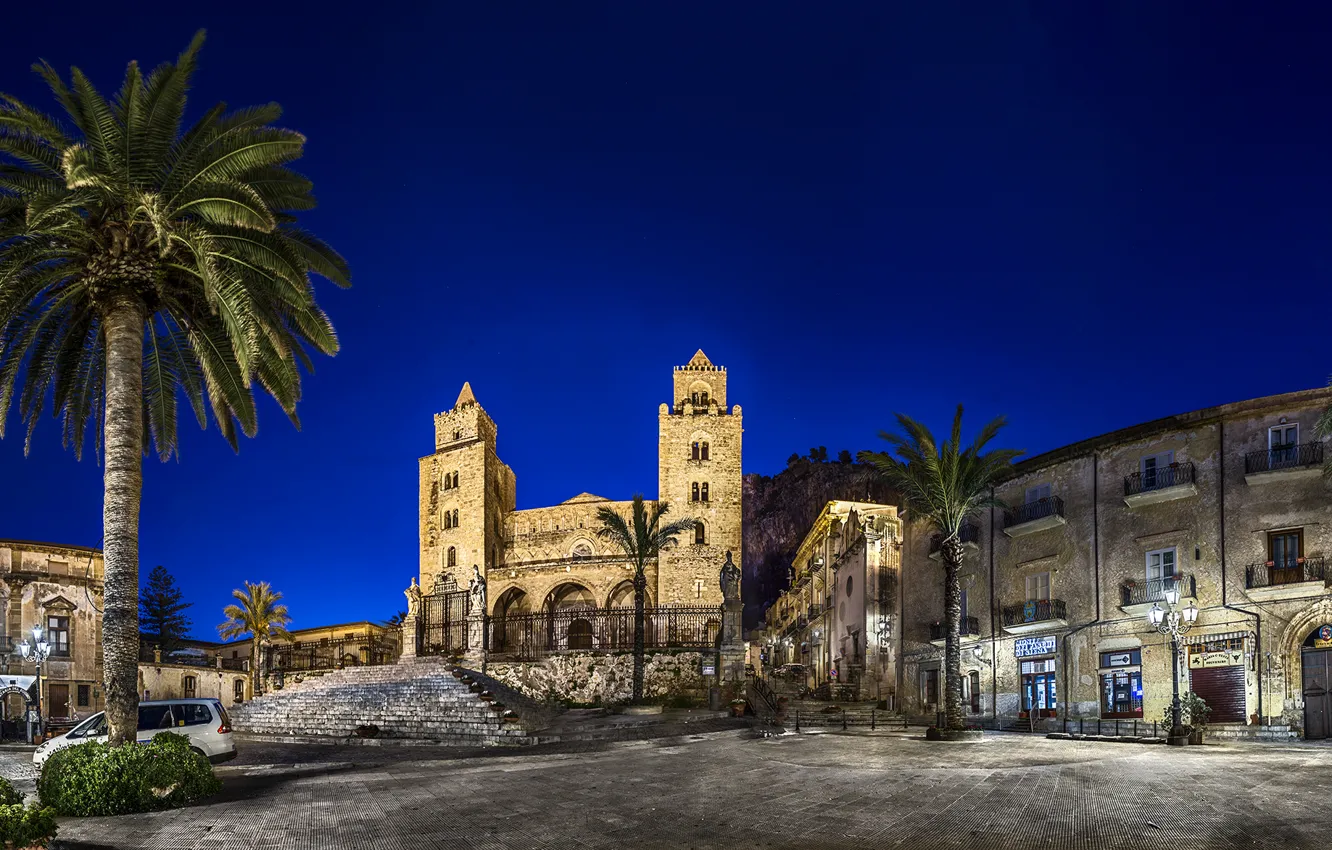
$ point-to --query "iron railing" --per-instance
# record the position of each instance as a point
(1159, 478)
(603, 630)
(1286, 571)
(970, 626)
(1284, 457)
(1039, 509)
(1035, 611)
(441, 623)
(1153, 590)
(969, 533)
(366, 651)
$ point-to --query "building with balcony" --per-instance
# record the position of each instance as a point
(1228, 505)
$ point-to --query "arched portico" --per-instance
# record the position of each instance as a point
(1307, 654)
(622, 596)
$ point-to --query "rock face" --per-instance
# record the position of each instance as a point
(604, 679)
(778, 512)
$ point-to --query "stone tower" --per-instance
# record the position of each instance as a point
(699, 475)
(465, 492)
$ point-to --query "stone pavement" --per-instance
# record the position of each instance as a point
(727, 789)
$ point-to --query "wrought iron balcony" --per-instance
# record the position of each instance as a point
(970, 628)
(1034, 516)
(969, 535)
(1285, 572)
(1161, 484)
(1153, 590)
(1282, 462)
(1034, 615)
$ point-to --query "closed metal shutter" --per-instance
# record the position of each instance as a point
(1223, 688)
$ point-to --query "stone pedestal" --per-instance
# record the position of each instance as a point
(731, 663)
(475, 656)
(408, 654)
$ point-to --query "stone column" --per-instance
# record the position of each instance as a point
(732, 646)
(474, 657)
(408, 653)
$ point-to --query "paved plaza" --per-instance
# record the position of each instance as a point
(730, 790)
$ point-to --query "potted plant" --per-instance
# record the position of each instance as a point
(1198, 711)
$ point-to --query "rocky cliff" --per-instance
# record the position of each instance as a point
(779, 510)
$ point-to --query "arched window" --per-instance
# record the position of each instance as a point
(693, 492)
(238, 690)
(455, 510)
(448, 520)
(703, 398)
(705, 450)
(693, 452)
(453, 557)
(700, 535)
(448, 481)
(455, 478)
(693, 398)
(705, 491)
(191, 687)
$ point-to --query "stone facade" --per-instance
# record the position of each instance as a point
(174, 680)
(59, 588)
(1228, 504)
(840, 613)
(551, 558)
(606, 678)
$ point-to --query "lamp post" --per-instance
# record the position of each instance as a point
(38, 651)
(1173, 622)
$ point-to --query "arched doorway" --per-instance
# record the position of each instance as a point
(570, 609)
(509, 629)
(1316, 667)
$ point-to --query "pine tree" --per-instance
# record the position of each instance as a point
(162, 615)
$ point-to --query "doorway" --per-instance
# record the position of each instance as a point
(1039, 694)
(1316, 665)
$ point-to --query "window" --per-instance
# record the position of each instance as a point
(703, 398)
(57, 634)
(972, 684)
(453, 557)
(848, 585)
(455, 517)
(192, 714)
(238, 690)
(1285, 553)
(929, 687)
(693, 492)
(1151, 464)
(694, 452)
(700, 535)
(705, 491)
(1281, 436)
(84, 696)
(1038, 587)
(191, 687)
(1121, 684)
(448, 520)
(455, 478)
(1037, 493)
(705, 450)
(1160, 571)
(154, 717)
(457, 434)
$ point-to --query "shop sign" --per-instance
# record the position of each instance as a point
(1124, 658)
(1323, 639)
(1225, 658)
(1034, 646)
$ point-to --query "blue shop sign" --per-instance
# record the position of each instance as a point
(1034, 646)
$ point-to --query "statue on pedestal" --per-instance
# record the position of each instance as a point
(477, 587)
(413, 594)
(730, 579)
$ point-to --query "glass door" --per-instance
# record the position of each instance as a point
(1282, 442)
(1285, 549)
(1160, 573)
(1038, 689)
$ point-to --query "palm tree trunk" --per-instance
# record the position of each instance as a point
(122, 484)
(951, 555)
(640, 587)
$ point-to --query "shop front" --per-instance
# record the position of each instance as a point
(1037, 664)
(1121, 684)
(1218, 665)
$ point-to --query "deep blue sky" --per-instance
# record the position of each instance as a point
(1082, 218)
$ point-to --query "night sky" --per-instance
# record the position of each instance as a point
(1081, 218)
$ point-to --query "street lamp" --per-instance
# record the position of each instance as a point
(1175, 623)
(38, 650)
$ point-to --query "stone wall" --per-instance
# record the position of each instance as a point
(167, 681)
(605, 679)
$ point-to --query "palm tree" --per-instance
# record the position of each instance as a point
(944, 485)
(260, 616)
(641, 537)
(137, 260)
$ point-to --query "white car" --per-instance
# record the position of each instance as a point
(203, 721)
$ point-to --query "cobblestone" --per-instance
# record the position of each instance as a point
(727, 789)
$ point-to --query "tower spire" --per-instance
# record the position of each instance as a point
(465, 397)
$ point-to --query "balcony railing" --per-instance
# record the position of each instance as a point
(970, 627)
(1284, 457)
(1159, 478)
(604, 630)
(969, 533)
(1039, 509)
(1288, 571)
(815, 610)
(1153, 590)
(1034, 612)
(332, 655)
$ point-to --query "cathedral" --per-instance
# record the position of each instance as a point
(550, 559)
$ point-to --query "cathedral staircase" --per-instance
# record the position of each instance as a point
(427, 700)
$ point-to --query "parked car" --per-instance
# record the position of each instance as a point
(203, 721)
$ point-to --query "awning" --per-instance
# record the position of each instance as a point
(1207, 638)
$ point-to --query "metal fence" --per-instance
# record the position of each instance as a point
(1159, 478)
(441, 625)
(969, 626)
(1034, 611)
(603, 630)
(1284, 457)
(1153, 590)
(1287, 571)
(1039, 509)
(365, 651)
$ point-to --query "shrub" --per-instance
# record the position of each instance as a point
(9, 796)
(98, 779)
(26, 826)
